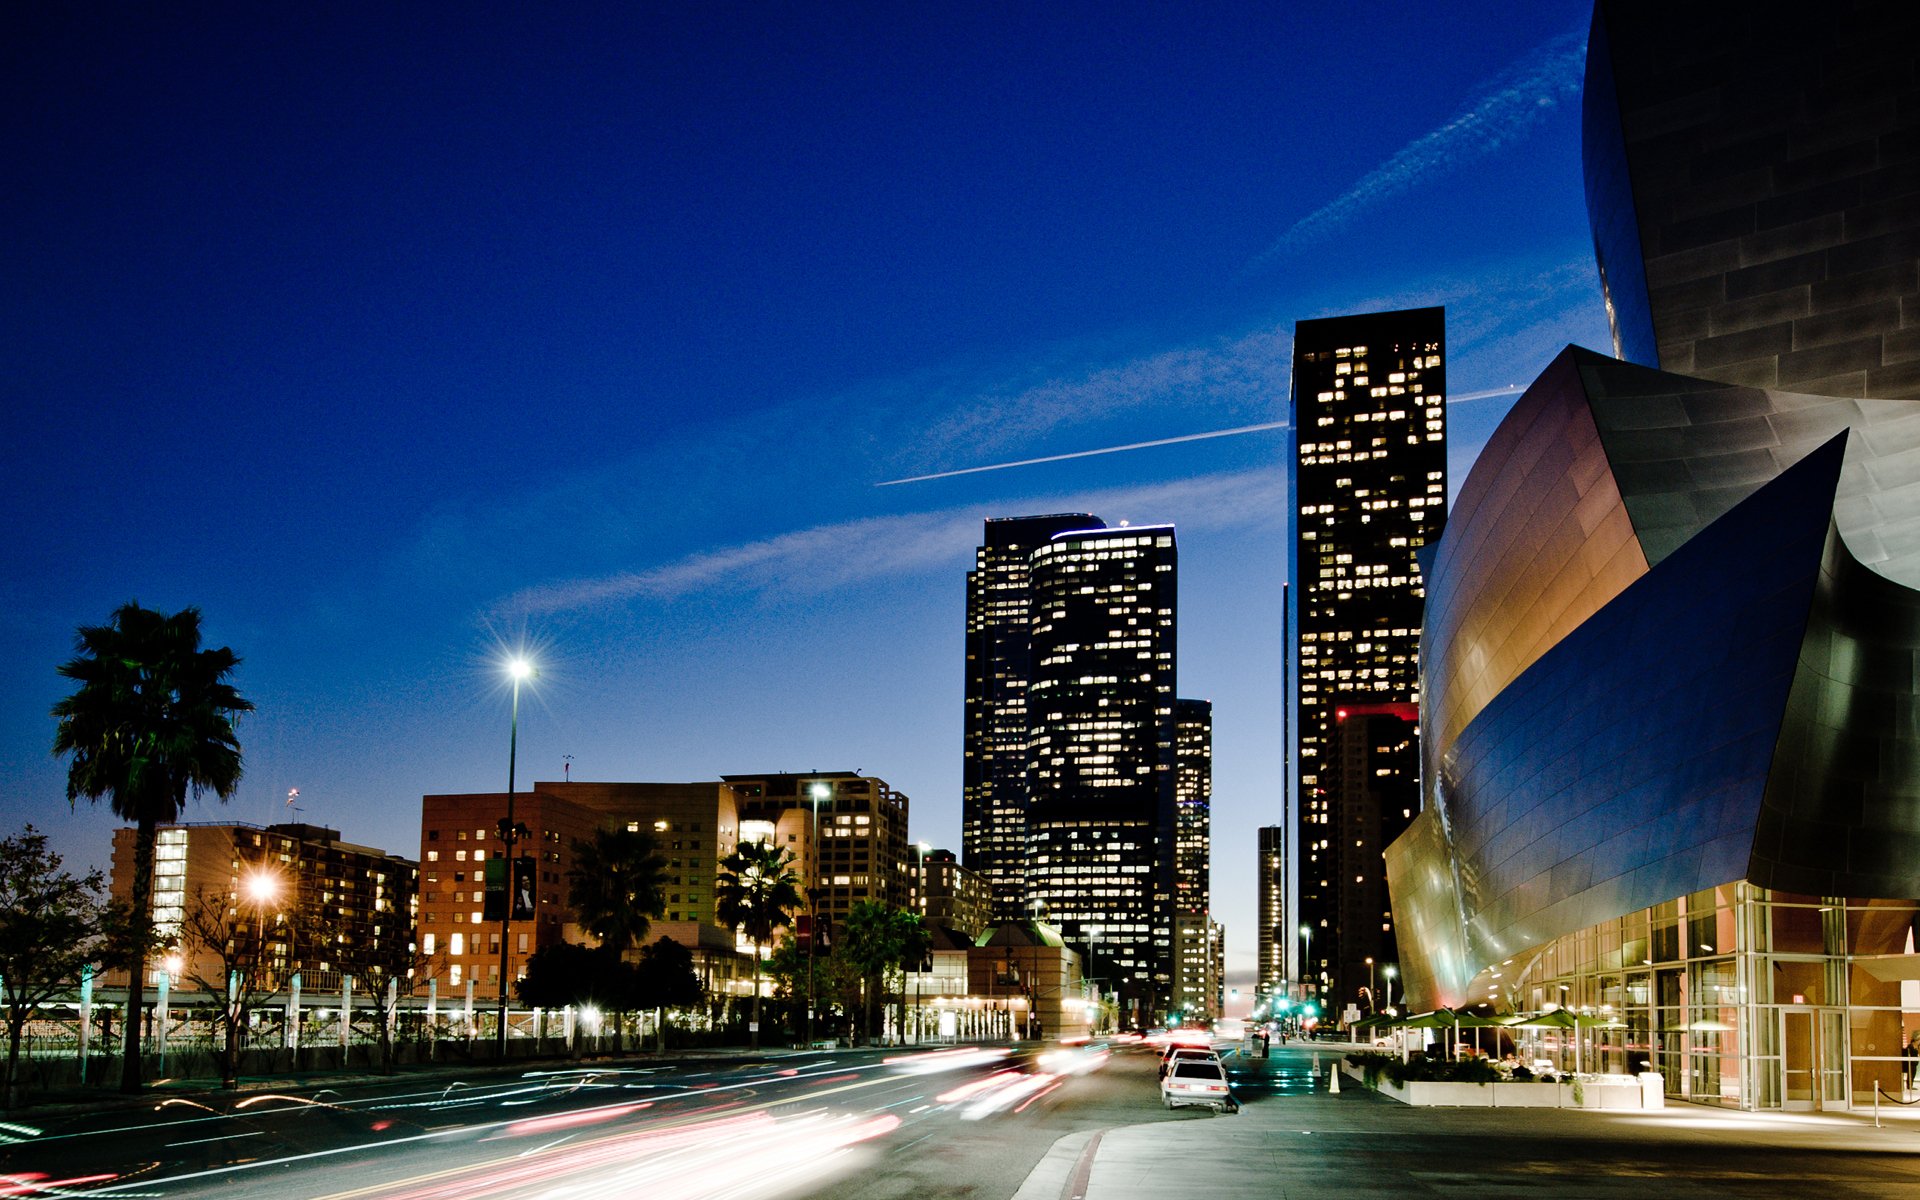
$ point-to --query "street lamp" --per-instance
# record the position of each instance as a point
(262, 887)
(1306, 952)
(816, 792)
(519, 670)
(1373, 985)
(1391, 972)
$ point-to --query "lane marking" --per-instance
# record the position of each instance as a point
(226, 1138)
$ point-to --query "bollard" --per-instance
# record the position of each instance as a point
(1333, 1078)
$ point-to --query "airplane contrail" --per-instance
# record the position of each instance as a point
(1185, 437)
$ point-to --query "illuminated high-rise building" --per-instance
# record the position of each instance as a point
(1101, 757)
(1369, 491)
(1192, 856)
(1273, 931)
(994, 769)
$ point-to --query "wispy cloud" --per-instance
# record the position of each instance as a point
(1509, 105)
(1243, 374)
(827, 557)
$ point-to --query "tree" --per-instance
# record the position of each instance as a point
(52, 926)
(150, 723)
(567, 973)
(223, 952)
(385, 971)
(756, 893)
(879, 941)
(663, 979)
(617, 886)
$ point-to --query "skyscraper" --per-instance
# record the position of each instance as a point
(1192, 850)
(994, 768)
(1370, 489)
(1274, 931)
(1375, 770)
(1101, 758)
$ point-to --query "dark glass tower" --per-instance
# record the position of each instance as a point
(1101, 759)
(1274, 933)
(1375, 770)
(1192, 856)
(1369, 491)
(994, 771)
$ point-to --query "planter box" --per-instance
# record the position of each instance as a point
(1596, 1091)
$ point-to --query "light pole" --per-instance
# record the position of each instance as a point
(1391, 972)
(519, 670)
(816, 792)
(1306, 956)
(262, 886)
(1373, 985)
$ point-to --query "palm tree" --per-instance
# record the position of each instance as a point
(756, 893)
(616, 886)
(151, 721)
(881, 940)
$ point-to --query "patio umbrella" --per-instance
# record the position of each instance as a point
(1563, 1018)
(1476, 1022)
(1559, 1018)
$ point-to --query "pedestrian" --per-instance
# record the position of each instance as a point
(1909, 1059)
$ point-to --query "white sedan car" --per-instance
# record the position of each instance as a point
(1197, 1081)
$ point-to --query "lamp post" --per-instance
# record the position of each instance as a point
(519, 670)
(816, 792)
(1373, 985)
(1391, 972)
(1306, 956)
(262, 886)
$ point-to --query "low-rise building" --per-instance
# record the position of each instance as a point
(276, 899)
(952, 895)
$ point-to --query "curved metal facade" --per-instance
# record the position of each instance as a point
(1655, 663)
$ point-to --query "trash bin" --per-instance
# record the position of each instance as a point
(1653, 1089)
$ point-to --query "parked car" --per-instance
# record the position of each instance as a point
(1199, 1081)
(1181, 1053)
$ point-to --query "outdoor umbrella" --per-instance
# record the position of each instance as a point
(1565, 1018)
(1475, 1022)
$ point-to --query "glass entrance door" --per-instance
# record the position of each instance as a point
(1813, 1059)
(1799, 1061)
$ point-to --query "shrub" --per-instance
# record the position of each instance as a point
(1424, 1069)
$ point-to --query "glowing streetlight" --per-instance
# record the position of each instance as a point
(263, 887)
(519, 669)
(1391, 971)
(816, 792)
(1306, 951)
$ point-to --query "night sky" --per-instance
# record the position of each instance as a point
(394, 337)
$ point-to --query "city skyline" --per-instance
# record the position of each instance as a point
(537, 336)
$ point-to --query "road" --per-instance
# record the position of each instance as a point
(867, 1125)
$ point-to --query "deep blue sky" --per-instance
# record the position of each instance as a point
(391, 337)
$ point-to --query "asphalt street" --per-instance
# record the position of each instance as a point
(960, 1122)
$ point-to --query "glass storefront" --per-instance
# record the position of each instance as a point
(1739, 996)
